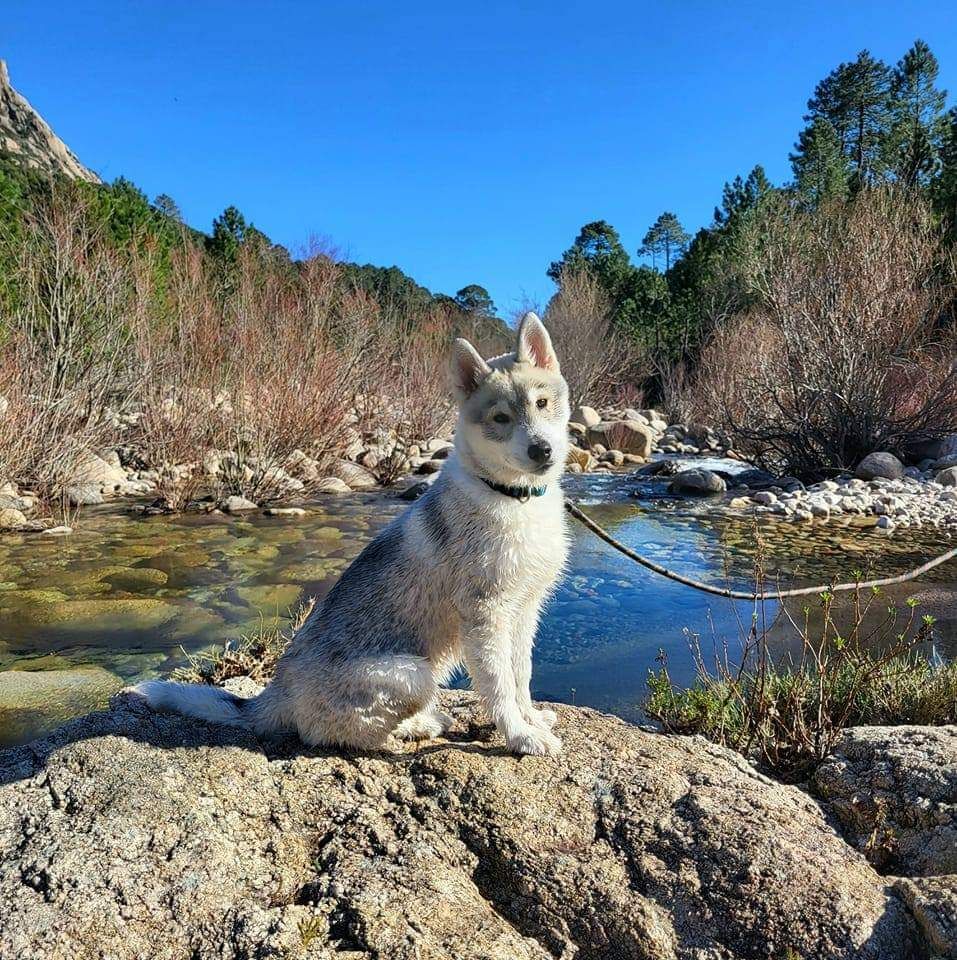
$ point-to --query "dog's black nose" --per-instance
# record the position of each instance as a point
(540, 452)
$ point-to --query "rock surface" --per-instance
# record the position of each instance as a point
(933, 903)
(628, 436)
(882, 465)
(894, 790)
(698, 481)
(26, 135)
(128, 834)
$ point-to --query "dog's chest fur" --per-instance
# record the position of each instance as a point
(491, 547)
(526, 548)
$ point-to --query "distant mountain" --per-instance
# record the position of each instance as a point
(28, 137)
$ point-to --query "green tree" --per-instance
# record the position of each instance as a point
(475, 301)
(820, 169)
(706, 285)
(127, 212)
(229, 232)
(666, 238)
(599, 249)
(168, 207)
(645, 307)
(740, 197)
(919, 122)
(945, 186)
(855, 98)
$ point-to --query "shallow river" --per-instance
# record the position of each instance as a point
(123, 599)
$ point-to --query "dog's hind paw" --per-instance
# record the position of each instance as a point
(424, 726)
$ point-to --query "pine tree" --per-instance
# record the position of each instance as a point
(855, 98)
(820, 169)
(229, 231)
(168, 207)
(741, 195)
(945, 186)
(599, 248)
(475, 301)
(665, 238)
(919, 123)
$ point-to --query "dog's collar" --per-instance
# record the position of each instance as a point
(522, 494)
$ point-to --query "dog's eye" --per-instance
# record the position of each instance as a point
(541, 403)
(501, 418)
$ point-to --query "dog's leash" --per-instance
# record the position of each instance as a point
(603, 534)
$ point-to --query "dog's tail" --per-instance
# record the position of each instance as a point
(192, 699)
(213, 704)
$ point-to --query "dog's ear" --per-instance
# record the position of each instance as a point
(468, 368)
(535, 345)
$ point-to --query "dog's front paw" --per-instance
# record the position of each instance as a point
(535, 742)
(543, 718)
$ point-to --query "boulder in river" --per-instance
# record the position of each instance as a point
(698, 481)
(881, 465)
(353, 475)
(629, 436)
(11, 519)
(130, 834)
(587, 416)
(947, 477)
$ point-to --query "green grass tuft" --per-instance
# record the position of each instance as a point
(788, 715)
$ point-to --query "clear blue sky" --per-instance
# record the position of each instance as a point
(466, 143)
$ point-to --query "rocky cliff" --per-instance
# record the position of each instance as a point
(28, 137)
(127, 834)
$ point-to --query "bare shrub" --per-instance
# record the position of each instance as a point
(406, 397)
(599, 361)
(844, 353)
(63, 359)
(179, 354)
(247, 378)
(212, 372)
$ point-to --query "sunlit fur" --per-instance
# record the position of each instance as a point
(459, 578)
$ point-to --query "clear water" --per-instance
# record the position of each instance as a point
(125, 599)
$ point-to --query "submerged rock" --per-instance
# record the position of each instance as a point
(129, 834)
(47, 698)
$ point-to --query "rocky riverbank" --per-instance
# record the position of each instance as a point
(881, 491)
(609, 440)
(232, 482)
(127, 834)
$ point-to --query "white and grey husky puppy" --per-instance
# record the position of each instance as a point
(459, 578)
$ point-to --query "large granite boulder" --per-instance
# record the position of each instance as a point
(880, 465)
(129, 834)
(894, 791)
(628, 436)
